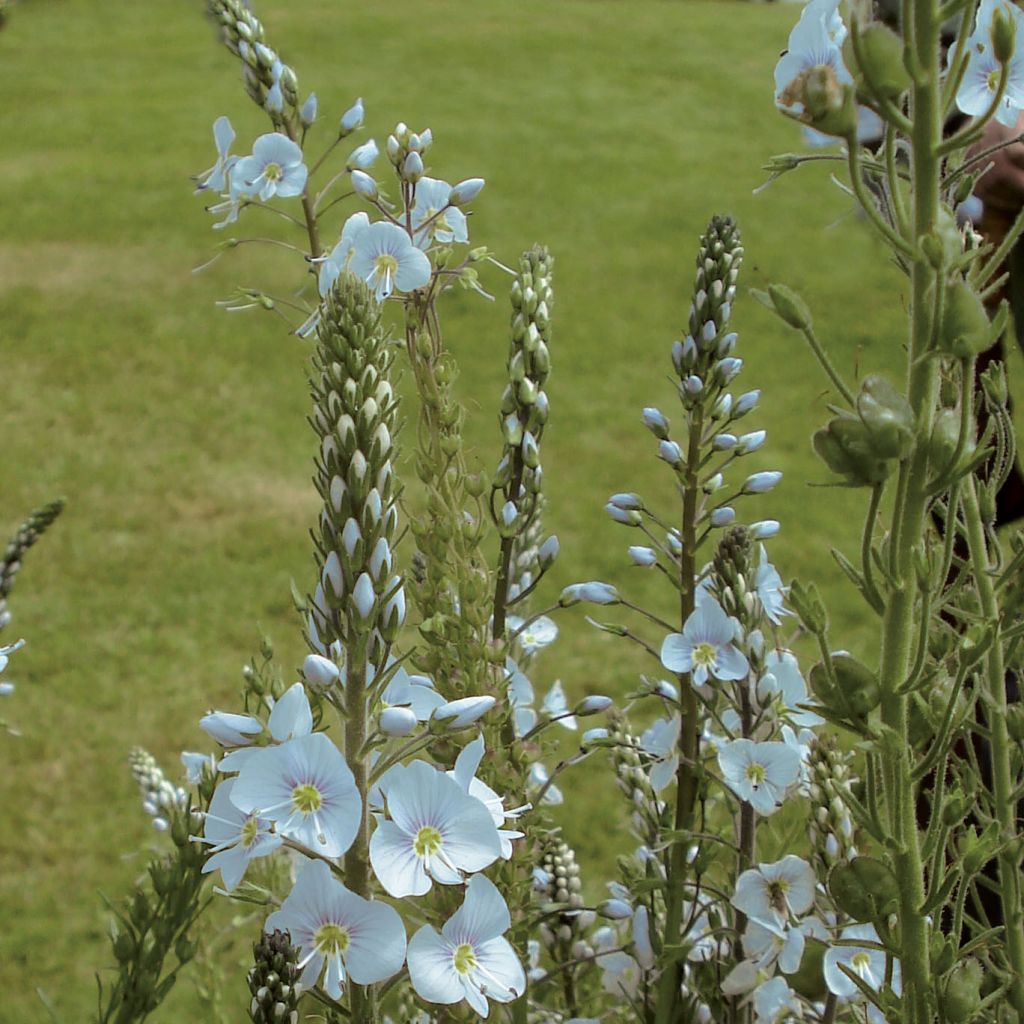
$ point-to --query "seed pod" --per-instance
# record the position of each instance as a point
(964, 331)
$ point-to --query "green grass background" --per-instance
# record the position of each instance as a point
(609, 130)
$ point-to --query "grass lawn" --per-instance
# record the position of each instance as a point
(609, 130)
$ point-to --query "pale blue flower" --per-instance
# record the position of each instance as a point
(981, 77)
(770, 590)
(782, 677)
(868, 964)
(436, 832)
(661, 742)
(521, 697)
(235, 837)
(414, 692)
(705, 646)
(306, 788)
(197, 765)
(355, 938)
(362, 157)
(217, 177)
(556, 707)
(385, 258)
(776, 894)
(776, 1003)
(290, 718)
(469, 958)
(432, 203)
(274, 169)
(540, 633)
(811, 44)
(759, 773)
(464, 774)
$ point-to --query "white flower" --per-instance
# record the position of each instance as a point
(274, 169)
(536, 636)
(782, 676)
(306, 788)
(705, 646)
(217, 177)
(556, 707)
(338, 258)
(981, 76)
(447, 223)
(230, 730)
(361, 939)
(414, 692)
(464, 773)
(235, 838)
(290, 718)
(868, 964)
(813, 43)
(521, 697)
(385, 258)
(469, 959)
(661, 741)
(759, 773)
(776, 1003)
(765, 947)
(770, 590)
(771, 894)
(436, 832)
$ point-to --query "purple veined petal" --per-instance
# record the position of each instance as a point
(430, 968)
(376, 948)
(395, 863)
(483, 915)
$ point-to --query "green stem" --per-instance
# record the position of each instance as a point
(689, 736)
(357, 860)
(999, 747)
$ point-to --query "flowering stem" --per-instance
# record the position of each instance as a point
(505, 558)
(908, 523)
(999, 745)
(689, 737)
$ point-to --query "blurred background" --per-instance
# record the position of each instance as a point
(611, 130)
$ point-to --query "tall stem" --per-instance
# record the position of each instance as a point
(999, 746)
(908, 520)
(689, 737)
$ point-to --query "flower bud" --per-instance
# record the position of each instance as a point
(671, 453)
(458, 714)
(881, 62)
(320, 672)
(965, 330)
(593, 592)
(614, 910)
(412, 168)
(961, 998)
(760, 483)
(352, 118)
(1004, 35)
(466, 191)
(888, 417)
(656, 422)
(364, 185)
(595, 704)
(397, 721)
(307, 115)
(790, 307)
(643, 556)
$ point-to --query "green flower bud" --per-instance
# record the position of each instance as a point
(943, 441)
(865, 889)
(1004, 36)
(887, 416)
(790, 307)
(847, 448)
(807, 603)
(993, 381)
(964, 331)
(943, 953)
(881, 62)
(1015, 722)
(859, 691)
(961, 998)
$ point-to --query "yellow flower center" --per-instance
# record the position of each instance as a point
(427, 841)
(331, 939)
(250, 830)
(992, 82)
(861, 962)
(755, 774)
(273, 172)
(464, 959)
(306, 799)
(704, 654)
(386, 265)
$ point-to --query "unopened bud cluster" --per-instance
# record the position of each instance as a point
(273, 980)
(265, 75)
(28, 533)
(355, 415)
(703, 359)
(160, 797)
(733, 576)
(524, 402)
(405, 149)
(562, 934)
(631, 776)
(831, 828)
